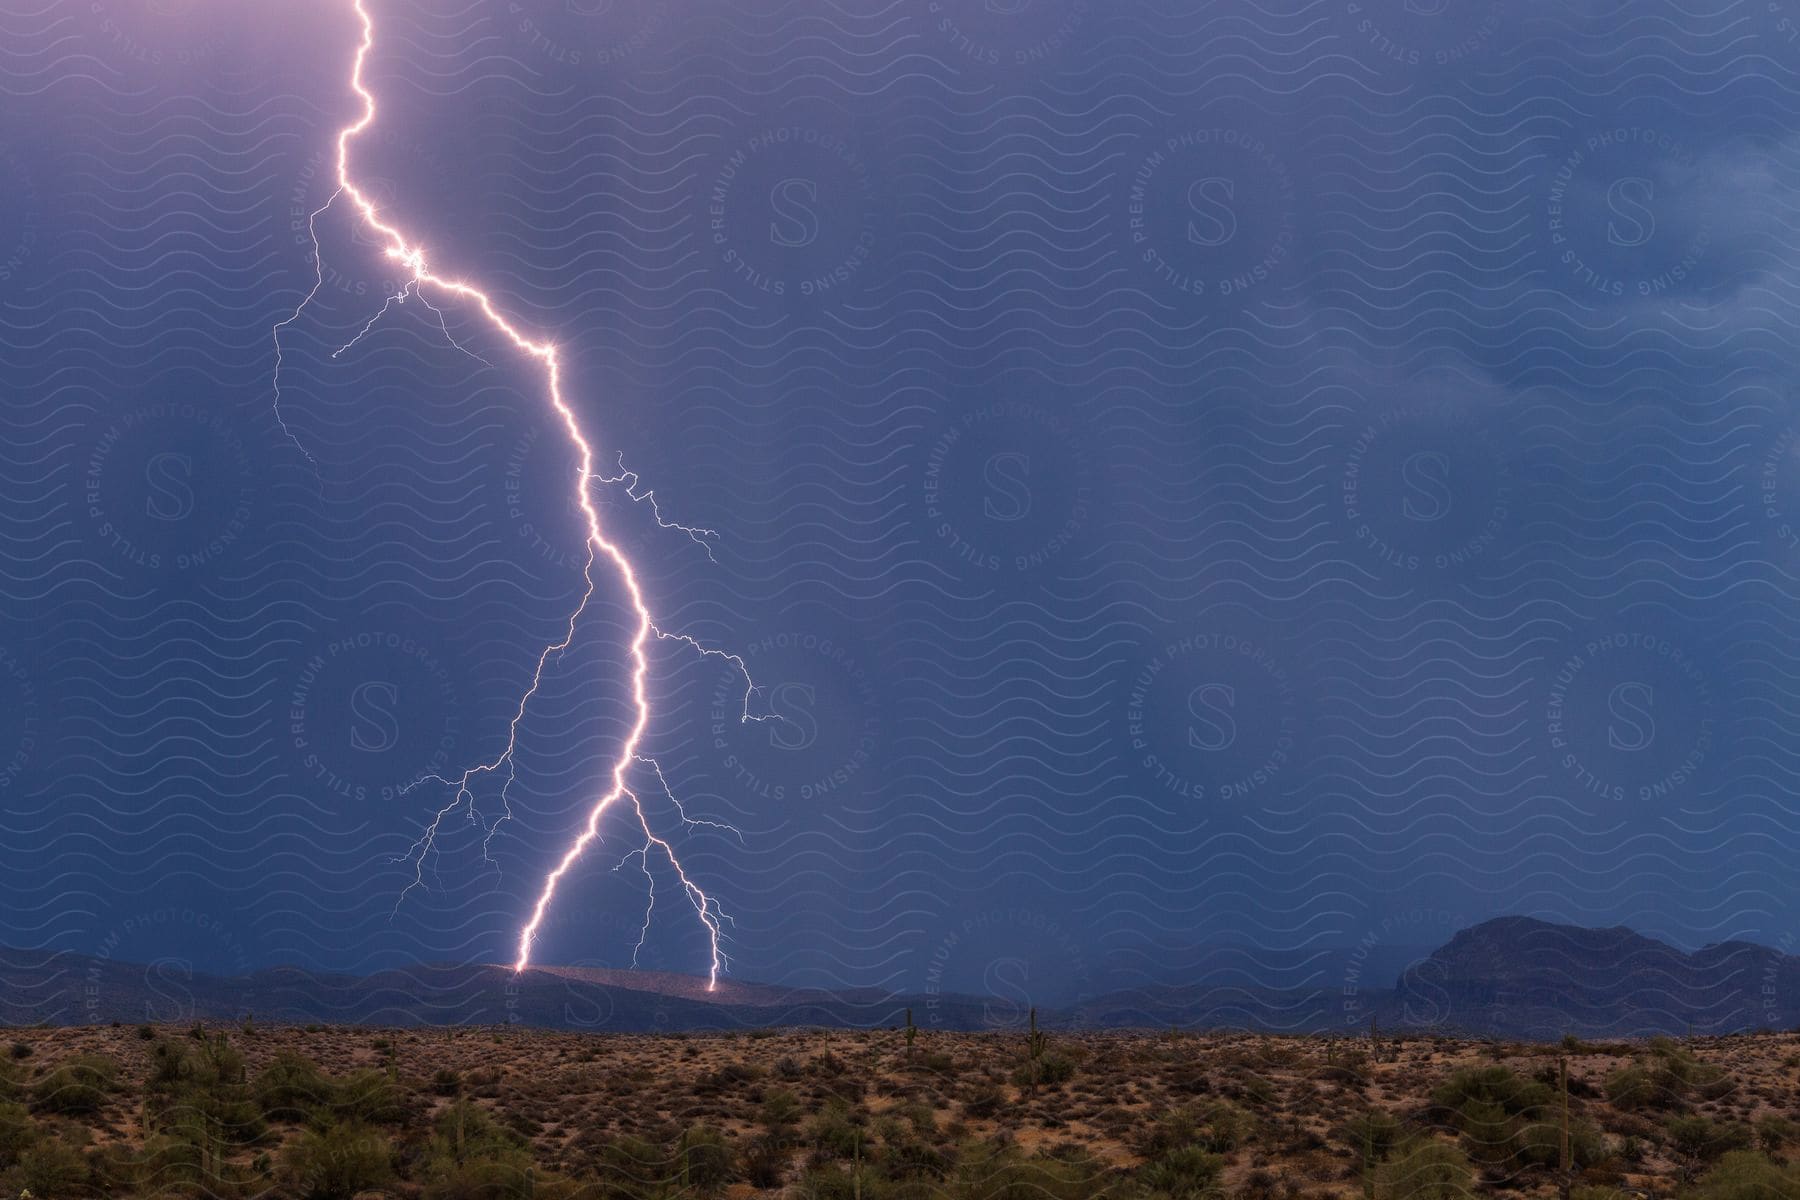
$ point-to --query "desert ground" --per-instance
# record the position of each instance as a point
(349, 1112)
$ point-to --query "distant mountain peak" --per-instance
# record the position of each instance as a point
(1538, 978)
(1510, 976)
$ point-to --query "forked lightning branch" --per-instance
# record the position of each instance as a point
(630, 768)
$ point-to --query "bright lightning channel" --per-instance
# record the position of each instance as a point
(412, 256)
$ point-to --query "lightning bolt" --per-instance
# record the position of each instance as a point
(421, 278)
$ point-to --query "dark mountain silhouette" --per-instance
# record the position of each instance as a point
(1511, 977)
(1536, 979)
(71, 989)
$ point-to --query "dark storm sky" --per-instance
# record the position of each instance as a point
(1285, 473)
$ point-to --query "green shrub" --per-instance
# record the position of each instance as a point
(1540, 1144)
(1633, 1089)
(1775, 1133)
(1488, 1128)
(369, 1098)
(993, 1173)
(843, 1183)
(465, 1132)
(984, 1101)
(203, 1096)
(1174, 1130)
(120, 1169)
(705, 1160)
(473, 1156)
(1350, 1072)
(922, 1117)
(291, 1087)
(1683, 1075)
(338, 1162)
(480, 1179)
(1183, 1174)
(1425, 1170)
(168, 1063)
(1259, 1091)
(17, 1134)
(1597, 1193)
(78, 1088)
(834, 1135)
(177, 1159)
(1704, 1140)
(1052, 1069)
(1492, 1087)
(1374, 1134)
(49, 1169)
(913, 1159)
(780, 1108)
(632, 1167)
(729, 1075)
(1668, 1080)
(1747, 1175)
(1224, 1127)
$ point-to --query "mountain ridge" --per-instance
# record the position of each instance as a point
(1509, 976)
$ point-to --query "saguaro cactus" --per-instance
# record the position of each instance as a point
(1369, 1156)
(1568, 1163)
(912, 1033)
(1035, 1045)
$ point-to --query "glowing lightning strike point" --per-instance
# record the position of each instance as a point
(420, 276)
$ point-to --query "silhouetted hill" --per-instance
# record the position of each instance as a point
(1532, 978)
(1510, 977)
(72, 989)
